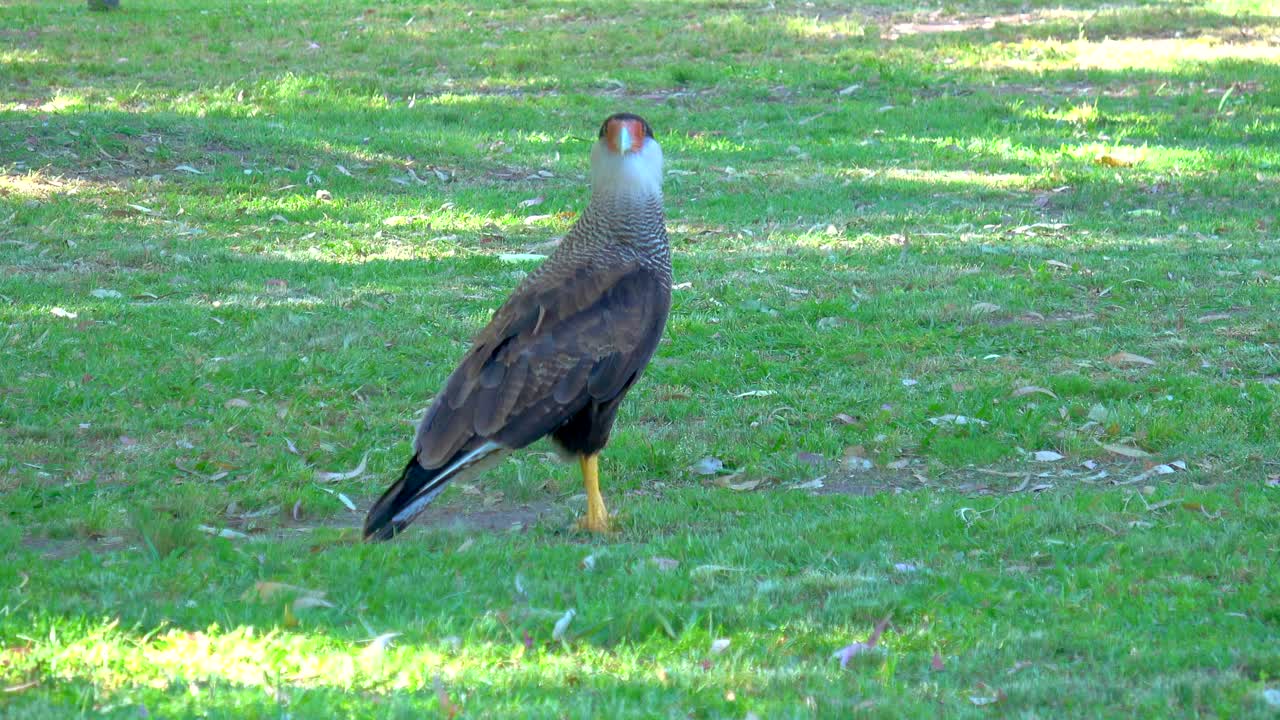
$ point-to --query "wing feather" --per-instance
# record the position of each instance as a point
(570, 337)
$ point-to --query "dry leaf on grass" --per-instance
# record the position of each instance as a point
(557, 632)
(848, 652)
(378, 645)
(341, 498)
(1213, 317)
(305, 602)
(532, 202)
(64, 313)
(985, 308)
(1046, 456)
(236, 403)
(1128, 358)
(846, 419)
(227, 533)
(708, 466)
(719, 645)
(936, 663)
(1126, 451)
(665, 564)
(1271, 696)
(1034, 389)
(744, 486)
(754, 393)
(322, 476)
(950, 419)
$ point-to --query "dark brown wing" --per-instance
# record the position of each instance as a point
(574, 336)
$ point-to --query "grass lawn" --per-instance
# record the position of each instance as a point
(978, 308)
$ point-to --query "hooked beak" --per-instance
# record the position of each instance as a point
(624, 135)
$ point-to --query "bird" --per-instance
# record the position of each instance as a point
(558, 357)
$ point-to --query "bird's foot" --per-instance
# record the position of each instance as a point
(594, 523)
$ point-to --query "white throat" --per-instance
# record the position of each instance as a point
(633, 176)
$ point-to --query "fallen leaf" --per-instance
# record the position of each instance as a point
(1213, 317)
(1126, 451)
(227, 533)
(981, 700)
(324, 195)
(719, 645)
(745, 486)
(104, 293)
(520, 257)
(188, 169)
(1128, 358)
(936, 663)
(848, 652)
(306, 602)
(708, 466)
(845, 419)
(985, 308)
(1271, 696)
(1034, 389)
(905, 567)
(665, 564)
(1046, 456)
(291, 447)
(236, 403)
(322, 476)
(532, 202)
(589, 562)
(814, 484)
(277, 283)
(557, 632)
(378, 645)
(63, 313)
(857, 463)
(908, 382)
(1273, 481)
(347, 501)
(950, 419)
(754, 393)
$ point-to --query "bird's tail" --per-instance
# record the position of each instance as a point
(417, 487)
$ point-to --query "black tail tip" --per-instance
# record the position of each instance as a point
(380, 533)
(381, 524)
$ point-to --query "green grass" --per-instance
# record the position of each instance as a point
(881, 215)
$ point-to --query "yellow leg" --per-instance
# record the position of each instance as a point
(597, 519)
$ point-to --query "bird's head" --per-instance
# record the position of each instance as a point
(626, 160)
